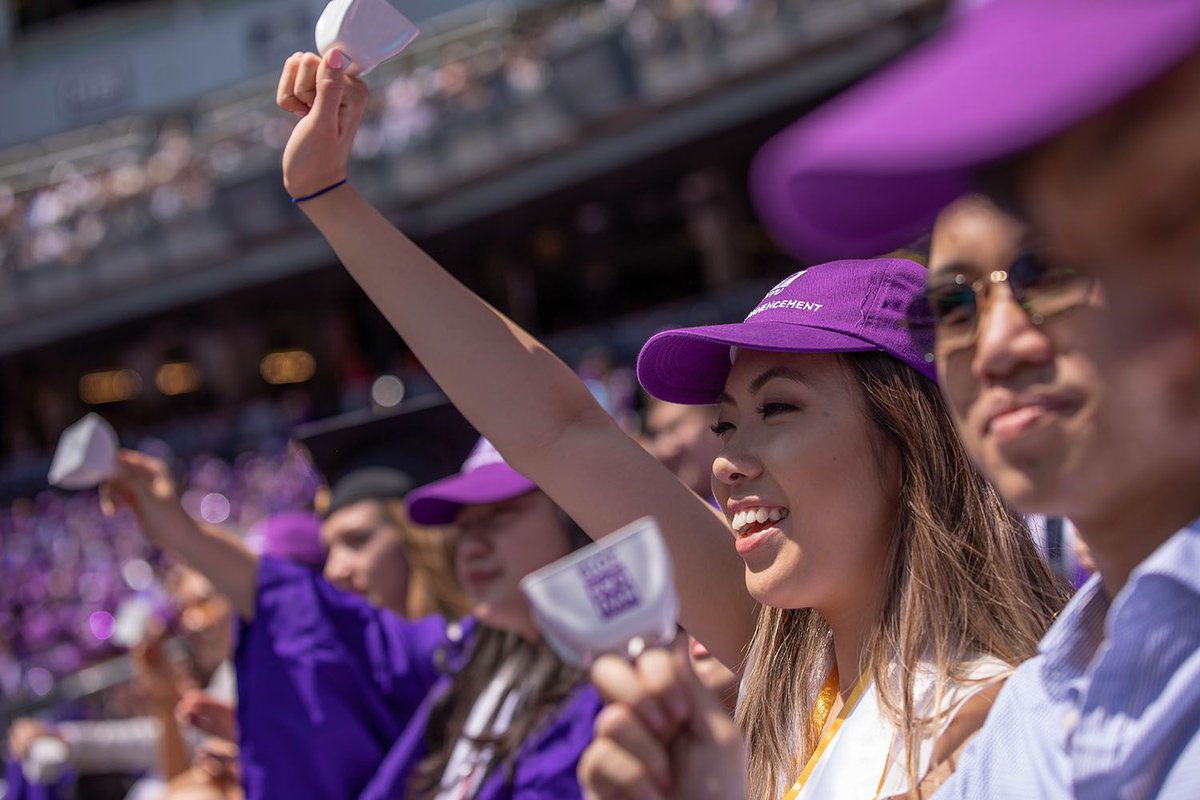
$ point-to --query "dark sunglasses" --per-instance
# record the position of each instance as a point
(945, 317)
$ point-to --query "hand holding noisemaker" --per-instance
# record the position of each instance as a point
(367, 32)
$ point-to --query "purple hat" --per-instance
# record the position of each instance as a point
(485, 477)
(870, 170)
(291, 535)
(839, 307)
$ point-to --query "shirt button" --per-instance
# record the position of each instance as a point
(1070, 719)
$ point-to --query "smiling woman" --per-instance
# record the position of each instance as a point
(799, 455)
(854, 452)
(511, 709)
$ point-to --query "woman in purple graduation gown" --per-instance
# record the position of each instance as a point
(509, 719)
(340, 699)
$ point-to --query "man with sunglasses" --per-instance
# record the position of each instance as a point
(1083, 116)
(1111, 705)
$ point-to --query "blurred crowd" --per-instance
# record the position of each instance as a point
(505, 87)
(66, 569)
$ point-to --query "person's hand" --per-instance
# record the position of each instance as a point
(214, 774)
(330, 105)
(143, 484)
(205, 712)
(157, 677)
(24, 731)
(661, 735)
(218, 758)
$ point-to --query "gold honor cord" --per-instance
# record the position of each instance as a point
(820, 716)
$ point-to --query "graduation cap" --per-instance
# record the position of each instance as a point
(367, 455)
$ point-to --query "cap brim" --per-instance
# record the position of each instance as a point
(438, 503)
(869, 171)
(690, 365)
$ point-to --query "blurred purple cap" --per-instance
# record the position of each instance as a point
(838, 307)
(291, 535)
(869, 171)
(485, 477)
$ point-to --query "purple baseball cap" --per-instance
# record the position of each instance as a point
(485, 477)
(870, 170)
(838, 307)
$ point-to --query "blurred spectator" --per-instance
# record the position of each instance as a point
(159, 172)
(681, 438)
(153, 744)
(213, 775)
(375, 551)
(65, 569)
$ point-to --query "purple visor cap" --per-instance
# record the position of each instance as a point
(839, 307)
(485, 477)
(869, 171)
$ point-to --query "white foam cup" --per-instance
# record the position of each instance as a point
(614, 596)
(368, 32)
(86, 455)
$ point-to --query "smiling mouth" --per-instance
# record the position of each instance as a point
(754, 520)
(1012, 423)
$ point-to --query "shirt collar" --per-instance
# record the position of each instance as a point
(1081, 619)
(1072, 640)
(1177, 559)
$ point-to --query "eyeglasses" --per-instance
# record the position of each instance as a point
(945, 317)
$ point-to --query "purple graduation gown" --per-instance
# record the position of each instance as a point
(21, 789)
(545, 766)
(328, 686)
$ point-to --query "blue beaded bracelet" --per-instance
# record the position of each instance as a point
(321, 192)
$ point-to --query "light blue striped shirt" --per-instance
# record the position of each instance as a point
(1110, 706)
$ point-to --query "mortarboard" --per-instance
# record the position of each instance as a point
(380, 455)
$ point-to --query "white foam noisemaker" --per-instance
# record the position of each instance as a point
(368, 32)
(131, 620)
(86, 455)
(45, 761)
(614, 596)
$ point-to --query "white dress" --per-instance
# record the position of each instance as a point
(862, 756)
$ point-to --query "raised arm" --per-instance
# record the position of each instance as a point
(143, 483)
(512, 389)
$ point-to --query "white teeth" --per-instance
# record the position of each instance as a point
(745, 518)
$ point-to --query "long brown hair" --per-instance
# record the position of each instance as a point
(432, 587)
(963, 580)
(548, 681)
